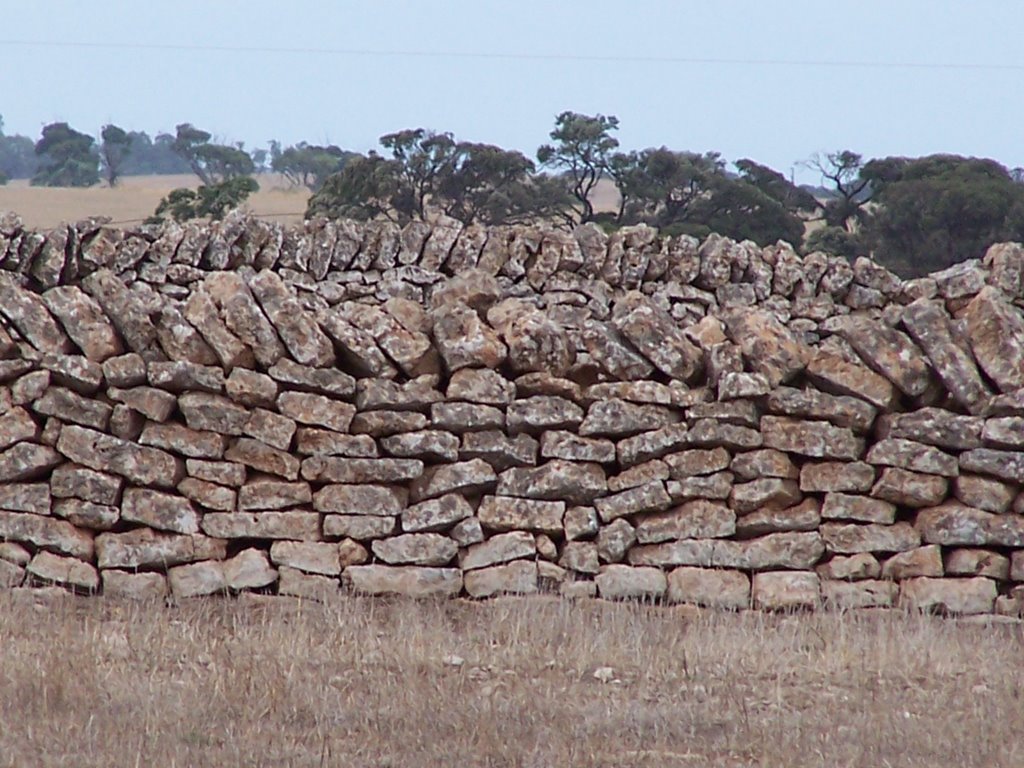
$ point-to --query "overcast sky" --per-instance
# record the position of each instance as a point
(771, 80)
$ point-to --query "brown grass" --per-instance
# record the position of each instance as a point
(135, 198)
(373, 683)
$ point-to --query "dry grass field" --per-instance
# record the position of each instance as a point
(135, 198)
(517, 682)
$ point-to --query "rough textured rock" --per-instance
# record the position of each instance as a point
(956, 596)
(709, 587)
(624, 582)
(409, 581)
(780, 591)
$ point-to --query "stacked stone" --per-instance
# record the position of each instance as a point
(439, 410)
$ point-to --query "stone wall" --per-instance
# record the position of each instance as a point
(444, 411)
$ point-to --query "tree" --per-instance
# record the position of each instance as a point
(778, 187)
(211, 201)
(491, 185)
(17, 155)
(583, 149)
(114, 150)
(212, 163)
(430, 173)
(67, 158)
(153, 156)
(849, 190)
(423, 158)
(687, 192)
(308, 165)
(364, 189)
(931, 212)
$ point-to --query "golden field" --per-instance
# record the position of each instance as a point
(135, 198)
(511, 682)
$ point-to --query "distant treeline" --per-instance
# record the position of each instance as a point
(914, 214)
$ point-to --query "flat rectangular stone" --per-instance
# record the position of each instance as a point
(795, 551)
(267, 494)
(805, 516)
(310, 441)
(154, 404)
(87, 514)
(263, 458)
(954, 596)
(324, 381)
(717, 487)
(409, 581)
(25, 497)
(384, 423)
(140, 465)
(817, 439)
(852, 538)
(73, 407)
(67, 571)
(765, 462)
(653, 445)
(179, 439)
(782, 591)
(710, 587)
(916, 457)
(331, 469)
(124, 585)
(559, 444)
(220, 472)
(933, 426)
(144, 548)
(163, 511)
(359, 527)
(297, 525)
(499, 450)
(516, 578)
(438, 514)
(428, 445)
(843, 506)
(46, 532)
(696, 519)
(626, 582)
(466, 417)
(498, 549)
(651, 497)
(213, 413)
(208, 495)
(376, 500)
(836, 476)
(271, 428)
(184, 376)
(557, 480)
(834, 375)
(197, 579)
(308, 556)
(506, 513)
(316, 410)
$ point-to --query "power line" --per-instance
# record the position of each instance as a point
(519, 56)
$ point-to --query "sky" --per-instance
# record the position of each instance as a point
(769, 80)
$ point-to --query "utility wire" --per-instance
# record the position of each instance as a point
(518, 56)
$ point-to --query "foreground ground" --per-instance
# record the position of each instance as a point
(271, 682)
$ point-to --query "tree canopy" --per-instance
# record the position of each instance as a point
(114, 150)
(67, 158)
(931, 212)
(583, 149)
(212, 163)
(308, 165)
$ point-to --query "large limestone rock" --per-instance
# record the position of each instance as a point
(929, 325)
(709, 587)
(625, 582)
(465, 341)
(888, 352)
(817, 439)
(956, 596)
(519, 578)
(416, 549)
(657, 337)
(769, 348)
(27, 312)
(84, 322)
(104, 453)
(782, 591)
(556, 480)
(408, 581)
(995, 331)
(303, 338)
(68, 571)
(146, 548)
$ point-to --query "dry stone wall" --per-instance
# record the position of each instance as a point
(442, 411)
